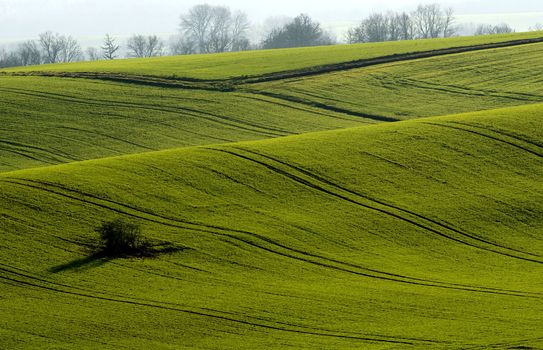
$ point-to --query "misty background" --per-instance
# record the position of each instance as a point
(89, 20)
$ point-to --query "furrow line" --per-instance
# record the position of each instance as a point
(215, 230)
(207, 315)
(539, 155)
(377, 201)
(382, 211)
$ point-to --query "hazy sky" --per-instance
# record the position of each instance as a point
(87, 19)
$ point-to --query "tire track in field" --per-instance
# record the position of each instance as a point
(481, 134)
(64, 138)
(319, 105)
(209, 229)
(29, 281)
(274, 101)
(148, 106)
(462, 90)
(426, 225)
(263, 241)
(381, 202)
(222, 120)
(521, 344)
(499, 132)
(23, 146)
(24, 155)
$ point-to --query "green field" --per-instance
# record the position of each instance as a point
(228, 65)
(453, 84)
(397, 206)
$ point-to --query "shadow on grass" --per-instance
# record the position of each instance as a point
(88, 262)
(101, 257)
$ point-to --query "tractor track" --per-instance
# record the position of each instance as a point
(390, 213)
(21, 279)
(292, 253)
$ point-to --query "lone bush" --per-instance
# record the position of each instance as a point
(122, 238)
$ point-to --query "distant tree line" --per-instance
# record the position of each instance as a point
(487, 29)
(212, 29)
(426, 22)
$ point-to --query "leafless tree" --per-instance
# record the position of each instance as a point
(59, 48)
(137, 46)
(145, 46)
(70, 50)
(219, 30)
(407, 29)
(9, 59)
(239, 27)
(536, 27)
(29, 53)
(431, 21)
(51, 45)
(382, 27)
(110, 48)
(155, 46)
(447, 21)
(196, 25)
(182, 45)
(377, 28)
(215, 28)
(93, 54)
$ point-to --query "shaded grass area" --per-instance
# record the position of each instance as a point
(416, 234)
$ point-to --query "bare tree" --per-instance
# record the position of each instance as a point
(215, 28)
(51, 45)
(407, 29)
(155, 46)
(394, 30)
(110, 48)
(239, 27)
(93, 54)
(70, 50)
(382, 27)
(59, 48)
(447, 21)
(536, 27)
(431, 21)
(181, 45)
(219, 30)
(29, 53)
(356, 35)
(9, 59)
(141, 46)
(137, 46)
(196, 25)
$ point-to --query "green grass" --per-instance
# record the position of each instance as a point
(429, 87)
(52, 120)
(227, 65)
(303, 224)
(425, 233)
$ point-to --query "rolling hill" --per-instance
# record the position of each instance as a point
(392, 206)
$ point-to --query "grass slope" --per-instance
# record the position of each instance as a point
(228, 65)
(417, 234)
(51, 120)
(429, 87)
(78, 119)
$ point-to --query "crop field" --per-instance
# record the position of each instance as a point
(453, 84)
(397, 205)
